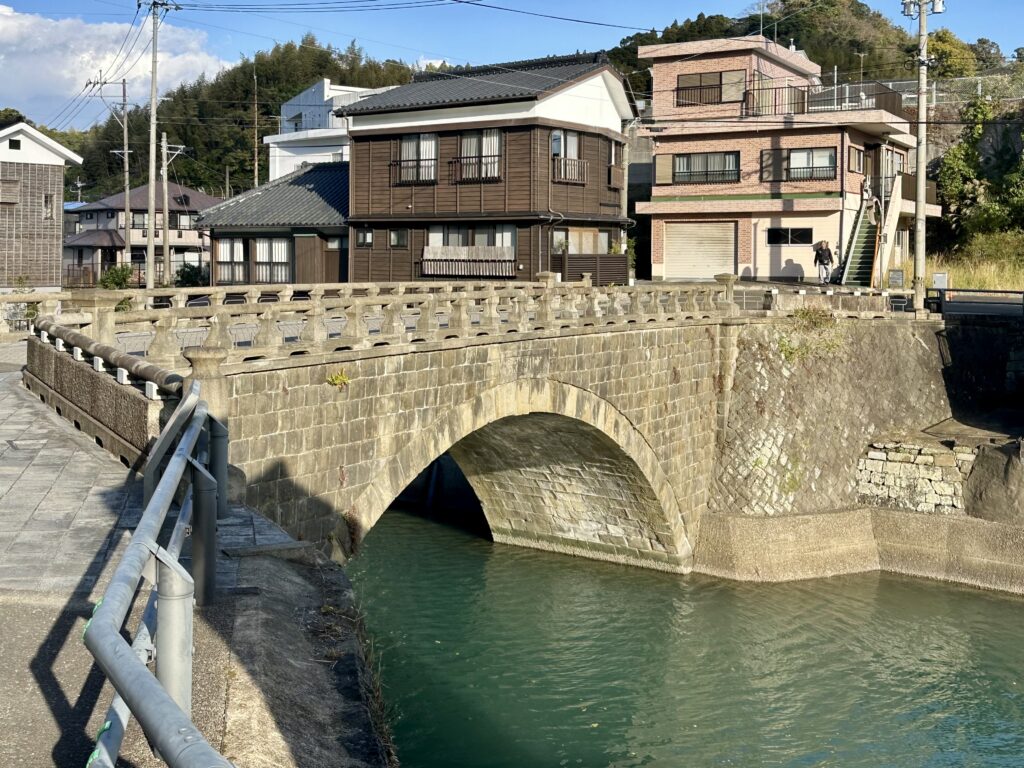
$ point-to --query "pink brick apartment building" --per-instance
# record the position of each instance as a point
(756, 161)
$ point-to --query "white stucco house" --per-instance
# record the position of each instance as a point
(309, 130)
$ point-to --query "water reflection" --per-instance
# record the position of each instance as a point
(497, 657)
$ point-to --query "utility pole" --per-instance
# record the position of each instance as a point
(123, 153)
(78, 187)
(227, 181)
(862, 55)
(164, 162)
(127, 179)
(920, 8)
(255, 130)
(155, 6)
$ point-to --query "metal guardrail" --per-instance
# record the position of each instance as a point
(197, 469)
(974, 301)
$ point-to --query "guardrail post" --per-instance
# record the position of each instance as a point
(204, 534)
(219, 464)
(175, 591)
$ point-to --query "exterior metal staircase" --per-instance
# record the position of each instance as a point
(860, 260)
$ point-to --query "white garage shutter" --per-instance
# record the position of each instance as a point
(699, 250)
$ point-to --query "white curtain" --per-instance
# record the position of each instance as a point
(407, 169)
(428, 156)
(280, 256)
(572, 145)
(491, 152)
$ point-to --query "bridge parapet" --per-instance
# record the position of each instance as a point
(254, 323)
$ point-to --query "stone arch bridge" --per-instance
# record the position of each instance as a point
(584, 418)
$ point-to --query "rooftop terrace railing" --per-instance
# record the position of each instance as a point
(799, 100)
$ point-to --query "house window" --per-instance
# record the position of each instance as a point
(812, 164)
(399, 238)
(273, 260)
(706, 168)
(565, 144)
(364, 238)
(856, 160)
(14, 143)
(613, 156)
(48, 207)
(710, 88)
(111, 214)
(333, 243)
(580, 240)
(89, 216)
(790, 236)
(479, 155)
(418, 159)
(182, 220)
(798, 164)
(139, 220)
(498, 235)
(231, 266)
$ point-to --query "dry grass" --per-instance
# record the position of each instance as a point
(991, 275)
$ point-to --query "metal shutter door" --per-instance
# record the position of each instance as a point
(700, 250)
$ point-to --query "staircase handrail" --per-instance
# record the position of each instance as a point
(853, 242)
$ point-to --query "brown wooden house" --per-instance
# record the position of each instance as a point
(290, 230)
(497, 172)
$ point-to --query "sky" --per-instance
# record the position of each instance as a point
(50, 48)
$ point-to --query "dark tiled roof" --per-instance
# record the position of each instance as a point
(95, 238)
(513, 81)
(311, 196)
(179, 198)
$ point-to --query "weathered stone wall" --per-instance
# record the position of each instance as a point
(312, 452)
(922, 478)
(118, 416)
(798, 423)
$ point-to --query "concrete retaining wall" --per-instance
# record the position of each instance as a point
(956, 549)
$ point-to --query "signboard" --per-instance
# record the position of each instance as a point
(896, 278)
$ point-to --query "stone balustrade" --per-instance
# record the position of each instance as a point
(19, 310)
(261, 322)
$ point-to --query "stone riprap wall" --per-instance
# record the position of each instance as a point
(799, 420)
(922, 478)
(620, 470)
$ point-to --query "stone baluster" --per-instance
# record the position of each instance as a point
(100, 305)
(219, 336)
(314, 331)
(285, 294)
(427, 325)
(214, 387)
(544, 315)
(355, 333)
(490, 320)
(392, 324)
(178, 300)
(268, 335)
(591, 305)
(726, 302)
(444, 306)
(252, 296)
(165, 349)
(568, 313)
(4, 325)
(657, 306)
(518, 319)
(615, 312)
(459, 320)
(586, 280)
(373, 290)
(217, 298)
(689, 301)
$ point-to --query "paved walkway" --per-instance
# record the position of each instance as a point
(67, 508)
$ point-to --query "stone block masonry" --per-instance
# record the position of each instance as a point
(919, 478)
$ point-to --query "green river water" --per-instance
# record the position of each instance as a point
(499, 657)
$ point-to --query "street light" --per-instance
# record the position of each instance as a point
(919, 9)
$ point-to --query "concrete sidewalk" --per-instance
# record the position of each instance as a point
(67, 508)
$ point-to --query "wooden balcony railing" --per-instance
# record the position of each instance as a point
(411, 172)
(569, 170)
(460, 261)
(909, 189)
(475, 169)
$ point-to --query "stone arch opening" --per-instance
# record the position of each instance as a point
(554, 467)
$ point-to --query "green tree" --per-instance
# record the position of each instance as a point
(10, 116)
(987, 53)
(955, 57)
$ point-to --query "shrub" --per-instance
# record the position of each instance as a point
(116, 278)
(192, 276)
(1001, 247)
(338, 379)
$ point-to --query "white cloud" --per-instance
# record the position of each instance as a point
(46, 62)
(423, 62)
